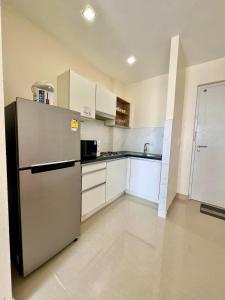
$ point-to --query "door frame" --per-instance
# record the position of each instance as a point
(200, 86)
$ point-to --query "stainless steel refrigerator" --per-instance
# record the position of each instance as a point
(44, 181)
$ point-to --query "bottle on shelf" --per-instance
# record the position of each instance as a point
(47, 100)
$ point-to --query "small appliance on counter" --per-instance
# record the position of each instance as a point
(43, 92)
(89, 149)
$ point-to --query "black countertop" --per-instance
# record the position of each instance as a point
(121, 154)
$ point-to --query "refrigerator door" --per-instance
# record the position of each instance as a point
(50, 204)
(46, 133)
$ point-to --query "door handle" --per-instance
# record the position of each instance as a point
(51, 166)
(202, 146)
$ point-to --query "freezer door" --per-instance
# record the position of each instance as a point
(46, 133)
(50, 205)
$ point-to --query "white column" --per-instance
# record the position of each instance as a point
(172, 128)
(5, 268)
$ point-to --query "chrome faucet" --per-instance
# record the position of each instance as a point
(146, 147)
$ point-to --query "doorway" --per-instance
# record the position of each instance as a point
(208, 166)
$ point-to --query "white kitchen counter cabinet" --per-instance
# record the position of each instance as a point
(105, 102)
(105, 181)
(93, 188)
(76, 93)
(144, 178)
(116, 179)
(93, 179)
(93, 199)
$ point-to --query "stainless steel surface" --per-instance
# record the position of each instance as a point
(45, 180)
(52, 163)
(45, 134)
(146, 145)
(50, 213)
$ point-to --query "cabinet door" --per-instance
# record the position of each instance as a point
(105, 101)
(89, 167)
(116, 178)
(145, 178)
(92, 199)
(92, 179)
(82, 95)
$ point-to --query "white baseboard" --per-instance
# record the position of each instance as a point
(182, 196)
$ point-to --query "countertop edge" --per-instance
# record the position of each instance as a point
(120, 156)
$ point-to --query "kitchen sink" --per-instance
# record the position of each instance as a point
(150, 154)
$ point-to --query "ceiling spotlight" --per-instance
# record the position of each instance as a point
(88, 13)
(131, 60)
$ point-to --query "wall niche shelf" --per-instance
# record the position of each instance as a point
(122, 113)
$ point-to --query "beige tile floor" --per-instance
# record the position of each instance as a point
(127, 252)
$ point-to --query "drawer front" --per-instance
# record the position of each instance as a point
(93, 167)
(92, 199)
(92, 179)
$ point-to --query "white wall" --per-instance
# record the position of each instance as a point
(195, 75)
(171, 140)
(5, 269)
(176, 128)
(30, 54)
(148, 102)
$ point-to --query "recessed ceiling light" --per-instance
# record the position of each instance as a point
(88, 13)
(131, 60)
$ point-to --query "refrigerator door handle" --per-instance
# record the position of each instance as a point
(40, 168)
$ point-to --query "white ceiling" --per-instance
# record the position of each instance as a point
(139, 27)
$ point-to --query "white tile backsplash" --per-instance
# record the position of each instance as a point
(118, 139)
(95, 130)
(134, 139)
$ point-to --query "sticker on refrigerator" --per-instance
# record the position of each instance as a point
(74, 125)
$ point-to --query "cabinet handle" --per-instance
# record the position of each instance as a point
(93, 187)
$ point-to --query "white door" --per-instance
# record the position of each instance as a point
(145, 178)
(76, 93)
(82, 95)
(105, 101)
(116, 178)
(92, 199)
(208, 179)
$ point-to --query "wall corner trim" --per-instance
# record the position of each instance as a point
(182, 196)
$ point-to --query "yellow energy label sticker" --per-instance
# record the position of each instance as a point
(74, 125)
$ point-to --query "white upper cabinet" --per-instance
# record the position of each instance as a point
(116, 178)
(145, 178)
(105, 103)
(76, 93)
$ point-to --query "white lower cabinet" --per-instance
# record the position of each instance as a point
(116, 178)
(93, 187)
(92, 199)
(106, 181)
(93, 179)
(145, 178)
